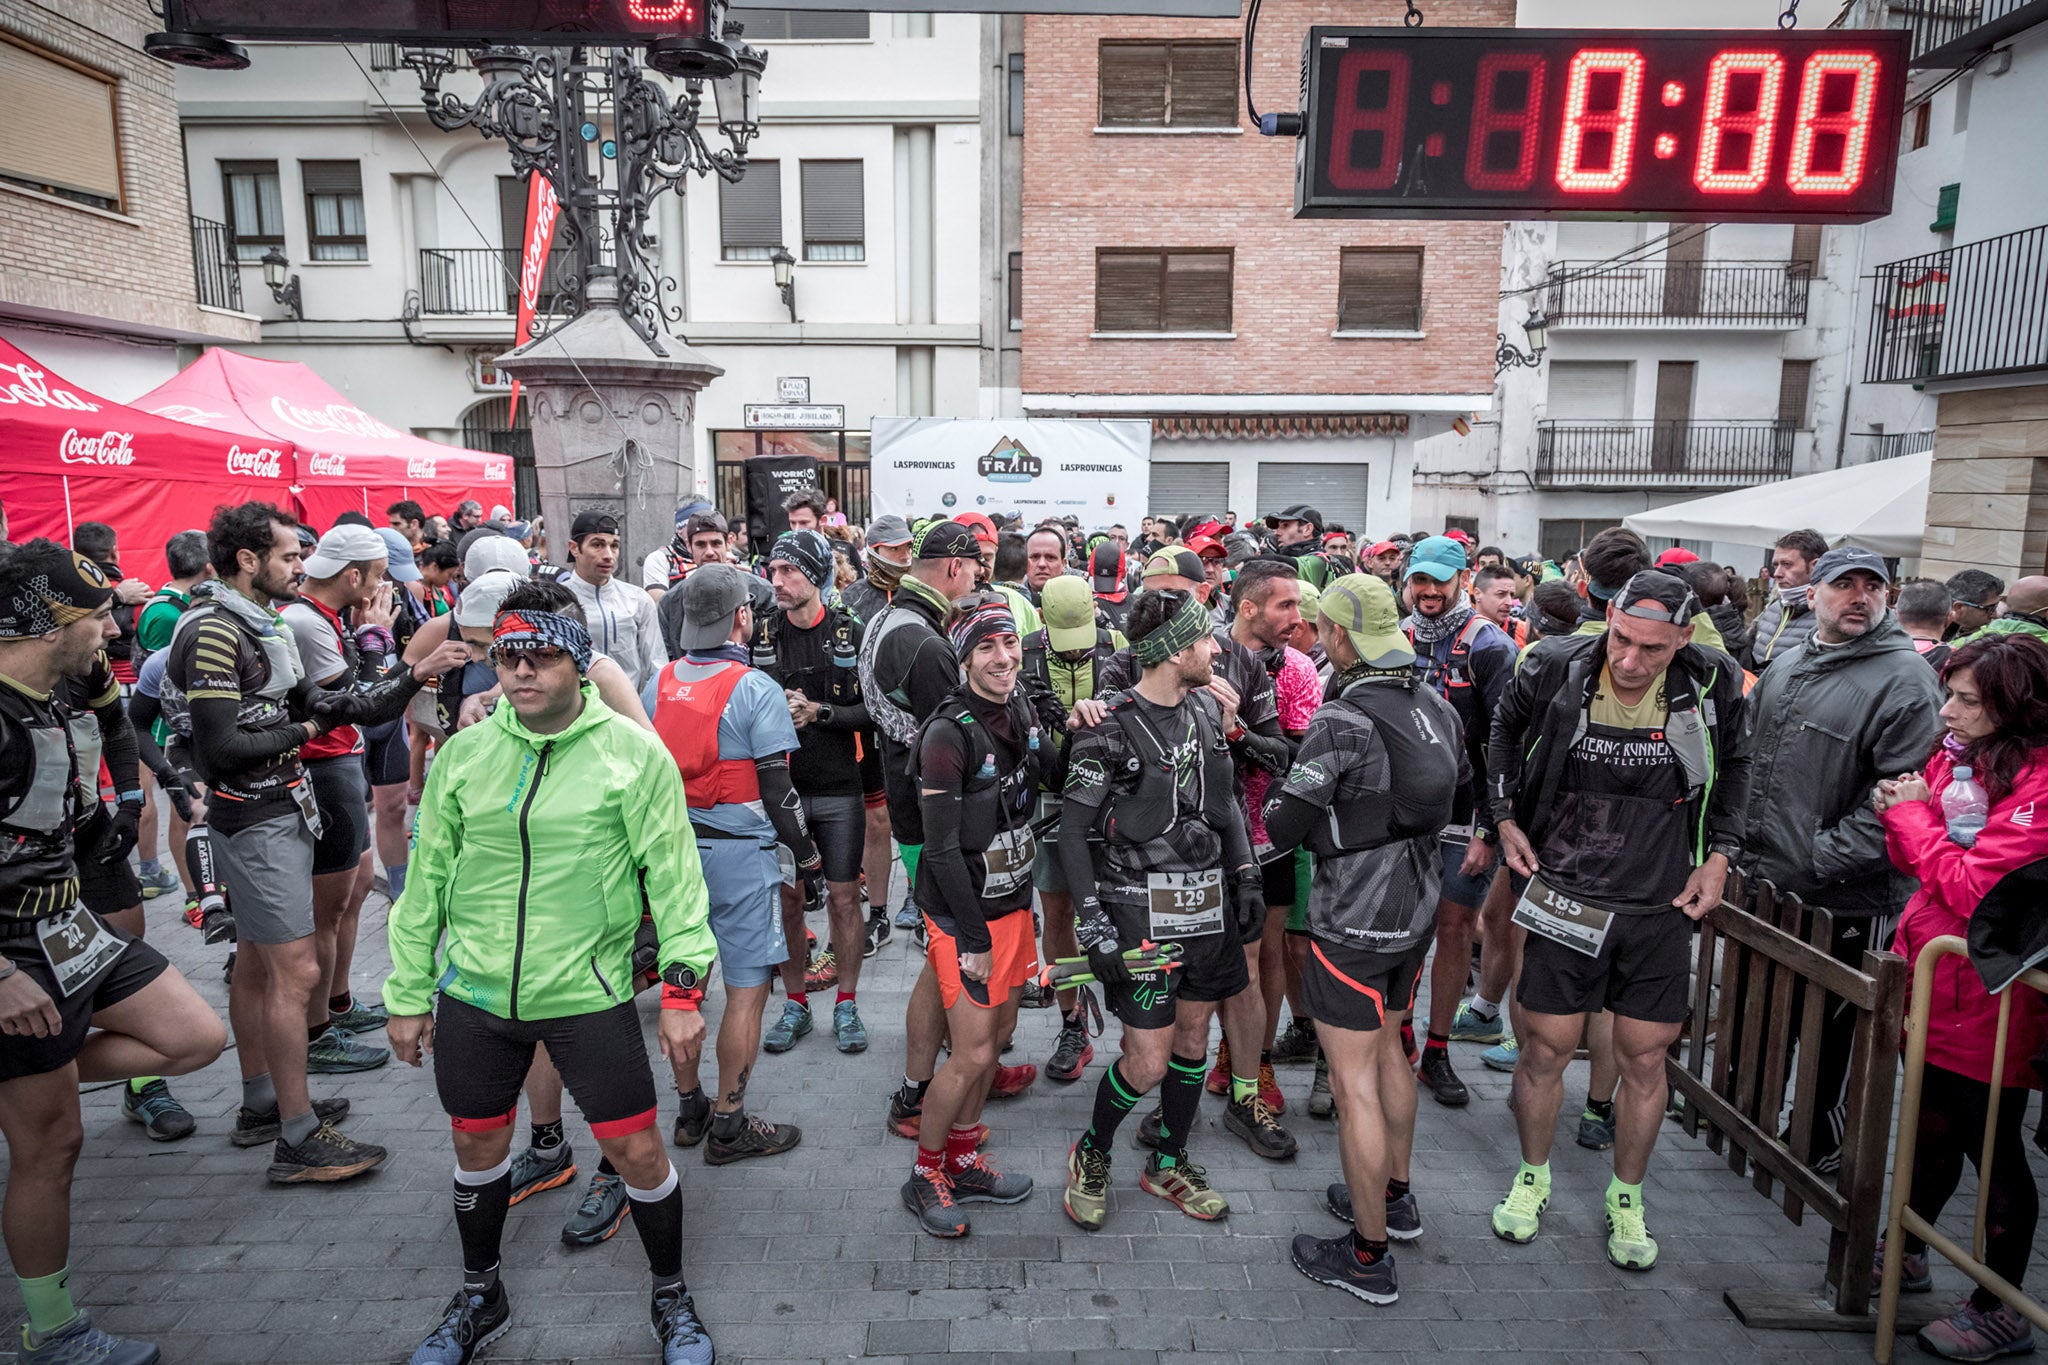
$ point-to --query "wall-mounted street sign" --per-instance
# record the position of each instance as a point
(793, 388)
(794, 416)
(1746, 125)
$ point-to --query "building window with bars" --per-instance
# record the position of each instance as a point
(1161, 291)
(334, 210)
(835, 214)
(750, 213)
(1156, 84)
(1379, 289)
(255, 207)
(802, 25)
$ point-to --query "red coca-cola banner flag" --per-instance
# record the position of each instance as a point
(542, 211)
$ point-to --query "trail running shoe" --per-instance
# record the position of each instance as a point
(1070, 1054)
(1012, 1081)
(905, 1117)
(604, 1209)
(982, 1183)
(537, 1169)
(334, 1053)
(1321, 1103)
(756, 1137)
(1629, 1244)
(1914, 1276)
(1186, 1185)
(161, 1116)
(1254, 1122)
(217, 925)
(907, 916)
(78, 1342)
(1087, 1197)
(693, 1120)
(325, 1157)
(1596, 1134)
(929, 1195)
(877, 932)
(1470, 1026)
(680, 1331)
(1404, 1218)
(471, 1322)
(848, 1032)
(253, 1129)
(1518, 1217)
(360, 1018)
(783, 1033)
(156, 883)
(1296, 1045)
(1269, 1089)
(192, 915)
(1218, 1082)
(1502, 1056)
(1331, 1261)
(1146, 1139)
(1967, 1334)
(824, 972)
(1441, 1081)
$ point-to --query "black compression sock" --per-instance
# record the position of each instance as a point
(548, 1136)
(481, 1201)
(726, 1127)
(658, 1217)
(1180, 1098)
(1396, 1189)
(605, 1167)
(1366, 1250)
(1600, 1109)
(1114, 1098)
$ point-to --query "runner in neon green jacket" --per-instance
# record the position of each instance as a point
(537, 892)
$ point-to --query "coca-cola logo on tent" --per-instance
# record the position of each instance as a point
(185, 412)
(261, 463)
(329, 466)
(335, 419)
(108, 447)
(30, 387)
(419, 467)
(494, 471)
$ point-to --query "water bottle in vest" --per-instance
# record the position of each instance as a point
(1965, 806)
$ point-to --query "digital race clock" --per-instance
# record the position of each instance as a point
(428, 22)
(1711, 125)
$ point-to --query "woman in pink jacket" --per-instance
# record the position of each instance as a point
(1997, 717)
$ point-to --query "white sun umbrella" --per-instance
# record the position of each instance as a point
(1879, 506)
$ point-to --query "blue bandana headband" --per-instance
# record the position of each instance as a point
(809, 551)
(543, 628)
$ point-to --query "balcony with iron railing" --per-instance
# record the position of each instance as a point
(1889, 445)
(1967, 312)
(1573, 453)
(1952, 33)
(1726, 294)
(1933, 23)
(479, 279)
(217, 279)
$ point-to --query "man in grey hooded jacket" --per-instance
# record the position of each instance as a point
(1825, 722)
(1787, 619)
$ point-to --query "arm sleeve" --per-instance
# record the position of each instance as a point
(653, 646)
(1504, 744)
(415, 922)
(663, 844)
(117, 745)
(1289, 818)
(1906, 733)
(219, 741)
(1091, 758)
(942, 758)
(1237, 841)
(373, 705)
(785, 809)
(1264, 746)
(143, 712)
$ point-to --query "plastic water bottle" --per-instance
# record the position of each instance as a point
(1965, 806)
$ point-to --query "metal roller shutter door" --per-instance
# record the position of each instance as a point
(1178, 489)
(1338, 491)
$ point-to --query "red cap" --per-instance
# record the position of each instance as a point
(1207, 546)
(984, 529)
(1676, 555)
(1329, 536)
(1207, 528)
(1462, 536)
(1384, 547)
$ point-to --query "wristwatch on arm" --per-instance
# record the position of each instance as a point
(680, 988)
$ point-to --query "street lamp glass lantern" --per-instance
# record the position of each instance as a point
(738, 95)
(275, 268)
(785, 266)
(1536, 328)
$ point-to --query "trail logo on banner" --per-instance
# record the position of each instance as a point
(1009, 462)
(1098, 471)
(543, 209)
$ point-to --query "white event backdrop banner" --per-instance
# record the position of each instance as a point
(1099, 471)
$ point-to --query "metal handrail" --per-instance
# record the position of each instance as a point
(1765, 293)
(1903, 1220)
(1573, 452)
(1962, 312)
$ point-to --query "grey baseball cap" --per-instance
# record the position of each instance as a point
(1847, 559)
(888, 529)
(712, 596)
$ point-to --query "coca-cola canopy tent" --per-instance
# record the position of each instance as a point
(347, 460)
(68, 455)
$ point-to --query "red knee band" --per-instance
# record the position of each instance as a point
(624, 1127)
(503, 1120)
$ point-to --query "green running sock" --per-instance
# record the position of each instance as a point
(141, 1083)
(1617, 1187)
(911, 855)
(1243, 1088)
(48, 1299)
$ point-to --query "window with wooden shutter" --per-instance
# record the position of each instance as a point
(60, 135)
(801, 25)
(1379, 289)
(1158, 84)
(335, 230)
(1806, 247)
(1170, 290)
(255, 207)
(750, 213)
(835, 218)
(1795, 384)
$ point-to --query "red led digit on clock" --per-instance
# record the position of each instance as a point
(1505, 128)
(1371, 115)
(1831, 134)
(658, 11)
(1735, 144)
(1603, 96)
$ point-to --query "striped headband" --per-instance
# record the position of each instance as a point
(543, 628)
(1174, 634)
(984, 619)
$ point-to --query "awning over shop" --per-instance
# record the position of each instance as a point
(1880, 506)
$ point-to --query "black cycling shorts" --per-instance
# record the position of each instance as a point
(21, 1055)
(1212, 969)
(343, 793)
(1348, 988)
(1643, 971)
(480, 1061)
(387, 753)
(839, 827)
(106, 888)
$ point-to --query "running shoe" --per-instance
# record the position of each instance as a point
(1321, 1103)
(1629, 1244)
(1441, 1081)
(192, 915)
(1037, 997)
(1012, 1081)
(693, 1120)
(471, 1322)
(1218, 1082)
(1296, 1045)
(1146, 1139)
(162, 1117)
(325, 1157)
(756, 1137)
(1404, 1217)
(360, 1018)
(217, 925)
(783, 1033)
(921, 935)
(1518, 1217)
(1914, 1276)
(1087, 1197)
(929, 1195)
(538, 1169)
(156, 883)
(1337, 1199)
(1596, 1134)
(1331, 1261)
(1070, 1054)
(1502, 1056)
(1470, 1026)
(1254, 1122)
(982, 1183)
(1186, 1186)
(1967, 1334)
(905, 1117)
(1269, 1089)
(849, 1034)
(679, 1331)
(334, 1053)
(604, 1210)
(877, 932)
(824, 972)
(907, 916)
(78, 1342)
(253, 1129)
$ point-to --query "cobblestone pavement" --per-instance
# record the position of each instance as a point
(811, 1257)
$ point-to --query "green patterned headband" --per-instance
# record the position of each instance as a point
(1175, 634)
